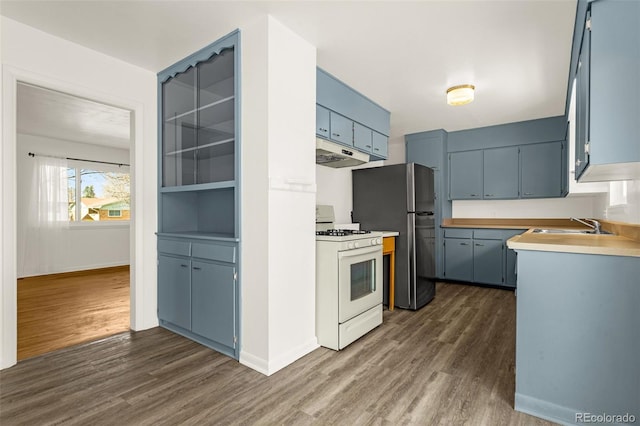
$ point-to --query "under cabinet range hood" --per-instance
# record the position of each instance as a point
(331, 154)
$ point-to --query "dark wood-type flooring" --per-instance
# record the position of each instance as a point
(450, 363)
(61, 310)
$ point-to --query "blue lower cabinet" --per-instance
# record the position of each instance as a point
(198, 291)
(213, 295)
(480, 256)
(174, 290)
(488, 258)
(458, 259)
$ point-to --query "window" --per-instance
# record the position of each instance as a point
(98, 195)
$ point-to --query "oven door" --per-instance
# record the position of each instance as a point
(360, 281)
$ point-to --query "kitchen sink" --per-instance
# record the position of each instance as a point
(569, 231)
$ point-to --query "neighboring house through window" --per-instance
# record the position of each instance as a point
(98, 195)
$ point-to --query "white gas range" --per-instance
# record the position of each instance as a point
(348, 281)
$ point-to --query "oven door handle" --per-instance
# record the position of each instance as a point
(359, 251)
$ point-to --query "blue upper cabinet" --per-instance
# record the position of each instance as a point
(362, 137)
(322, 122)
(354, 120)
(341, 129)
(380, 145)
(500, 173)
(507, 160)
(541, 169)
(465, 175)
(608, 90)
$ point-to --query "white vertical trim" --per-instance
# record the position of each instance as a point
(8, 307)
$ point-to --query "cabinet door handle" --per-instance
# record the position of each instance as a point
(528, 193)
(322, 130)
(196, 268)
(368, 146)
(376, 149)
(578, 162)
(473, 195)
(479, 245)
(488, 195)
(336, 134)
(464, 244)
(183, 265)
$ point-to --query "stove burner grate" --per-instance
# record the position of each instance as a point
(342, 232)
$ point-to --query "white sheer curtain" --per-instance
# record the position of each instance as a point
(44, 217)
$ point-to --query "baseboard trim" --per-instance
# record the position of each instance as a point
(97, 269)
(268, 367)
(545, 410)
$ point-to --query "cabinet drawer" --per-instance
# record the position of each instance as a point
(487, 234)
(180, 248)
(218, 252)
(458, 233)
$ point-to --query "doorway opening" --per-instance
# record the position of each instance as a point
(73, 219)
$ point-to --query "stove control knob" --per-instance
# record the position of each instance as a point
(379, 240)
(350, 245)
(355, 245)
(373, 241)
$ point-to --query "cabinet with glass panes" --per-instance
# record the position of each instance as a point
(198, 128)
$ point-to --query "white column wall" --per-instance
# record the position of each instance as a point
(278, 196)
(291, 161)
(39, 58)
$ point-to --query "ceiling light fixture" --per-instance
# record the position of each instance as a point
(460, 95)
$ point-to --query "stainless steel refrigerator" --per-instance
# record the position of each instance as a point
(401, 198)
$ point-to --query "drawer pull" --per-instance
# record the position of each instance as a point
(196, 268)
(183, 265)
(464, 244)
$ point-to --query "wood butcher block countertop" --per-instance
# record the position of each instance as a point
(625, 242)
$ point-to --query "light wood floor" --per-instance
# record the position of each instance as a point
(60, 310)
(450, 363)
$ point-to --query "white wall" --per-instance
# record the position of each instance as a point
(38, 58)
(79, 247)
(278, 196)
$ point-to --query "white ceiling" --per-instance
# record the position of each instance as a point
(403, 55)
(45, 112)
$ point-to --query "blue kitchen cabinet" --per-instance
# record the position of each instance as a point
(341, 129)
(480, 256)
(488, 258)
(582, 105)
(199, 195)
(465, 175)
(380, 145)
(458, 254)
(336, 96)
(500, 173)
(541, 169)
(213, 287)
(362, 138)
(174, 290)
(322, 122)
(353, 119)
(458, 259)
(608, 91)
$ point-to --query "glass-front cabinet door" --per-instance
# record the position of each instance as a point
(198, 123)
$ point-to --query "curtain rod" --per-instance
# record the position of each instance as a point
(32, 154)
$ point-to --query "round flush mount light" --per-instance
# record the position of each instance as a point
(460, 95)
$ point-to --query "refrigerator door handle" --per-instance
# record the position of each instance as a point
(425, 213)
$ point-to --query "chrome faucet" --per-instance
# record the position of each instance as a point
(593, 224)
